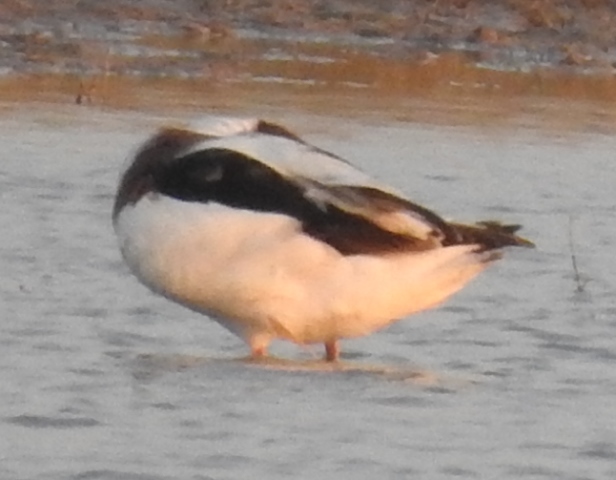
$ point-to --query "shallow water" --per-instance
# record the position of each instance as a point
(513, 378)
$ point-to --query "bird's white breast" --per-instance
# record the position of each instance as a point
(235, 264)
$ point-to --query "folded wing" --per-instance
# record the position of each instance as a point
(257, 165)
(353, 218)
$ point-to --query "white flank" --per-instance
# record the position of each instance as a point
(261, 277)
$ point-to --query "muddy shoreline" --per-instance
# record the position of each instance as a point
(509, 58)
(573, 35)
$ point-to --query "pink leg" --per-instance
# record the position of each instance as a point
(258, 352)
(332, 350)
(258, 347)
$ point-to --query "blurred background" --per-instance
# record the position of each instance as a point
(499, 61)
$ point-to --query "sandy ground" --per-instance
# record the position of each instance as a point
(444, 61)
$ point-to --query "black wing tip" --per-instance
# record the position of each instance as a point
(508, 232)
(491, 235)
(494, 224)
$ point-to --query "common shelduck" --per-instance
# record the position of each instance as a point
(274, 238)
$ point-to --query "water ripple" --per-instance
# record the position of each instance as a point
(514, 375)
(37, 421)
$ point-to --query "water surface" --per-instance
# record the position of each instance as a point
(102, 380)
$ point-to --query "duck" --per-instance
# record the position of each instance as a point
(274, 238)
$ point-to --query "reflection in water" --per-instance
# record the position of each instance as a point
(148, 366)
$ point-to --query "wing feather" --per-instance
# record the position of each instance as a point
(329, 181)
(257, 165)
